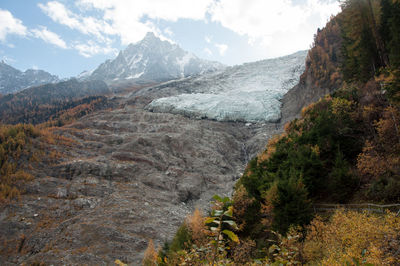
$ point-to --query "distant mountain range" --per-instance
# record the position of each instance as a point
(13, 80)
(151, 60)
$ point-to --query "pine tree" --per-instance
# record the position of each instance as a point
(394, 44)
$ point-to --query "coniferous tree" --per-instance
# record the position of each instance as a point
(394, 44)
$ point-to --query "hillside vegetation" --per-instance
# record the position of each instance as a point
(23, 147)
(27, 120)
(55, 104)
(345, 148)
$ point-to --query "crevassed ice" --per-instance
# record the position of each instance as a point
(248, 93)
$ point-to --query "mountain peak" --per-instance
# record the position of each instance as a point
(152, 59)
(13, 80)
(150, 35)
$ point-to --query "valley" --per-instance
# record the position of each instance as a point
(159, 157)
(131, 175)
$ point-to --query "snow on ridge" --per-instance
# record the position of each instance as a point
(249, 93)
(138, 75)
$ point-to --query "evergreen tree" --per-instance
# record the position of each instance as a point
(292, 206)
(394, 44)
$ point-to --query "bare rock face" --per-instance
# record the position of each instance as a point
(132, 175)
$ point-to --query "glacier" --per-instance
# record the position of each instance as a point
(247, 93)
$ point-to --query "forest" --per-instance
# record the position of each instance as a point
(344, 149)
(55, 104)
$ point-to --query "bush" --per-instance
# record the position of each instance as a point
(350, 236)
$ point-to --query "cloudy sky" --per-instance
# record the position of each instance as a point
(66, 37)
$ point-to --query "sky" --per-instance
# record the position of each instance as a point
(67, 37)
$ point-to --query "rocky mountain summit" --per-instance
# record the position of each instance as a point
(13, 80)
(151, 60)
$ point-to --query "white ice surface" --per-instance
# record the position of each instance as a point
(250, 92)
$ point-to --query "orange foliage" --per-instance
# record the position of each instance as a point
(241, 202)
(196, 225)
(21, 145)
(150, 255)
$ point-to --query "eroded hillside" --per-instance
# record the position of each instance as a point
(130, 175)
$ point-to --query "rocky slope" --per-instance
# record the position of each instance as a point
(13, 80)
(151, 60)
(130, 175)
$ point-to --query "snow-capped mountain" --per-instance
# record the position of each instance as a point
(250, 92)
(152, 59)
(13, 80)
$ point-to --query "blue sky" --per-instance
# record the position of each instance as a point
(67, 37)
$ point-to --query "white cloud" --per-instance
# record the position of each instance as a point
(86, 25)
(49, 37)
(221, 48)
(125, 17)
(207, 51)
(273, 28)
(10, 25)
(280, 26)
(90, 49)
(168, 32)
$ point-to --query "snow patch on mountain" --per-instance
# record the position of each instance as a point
(153, 60)
(250, 92)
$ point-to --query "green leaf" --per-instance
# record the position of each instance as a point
(230, 222)
(209, 220)
(229, 212)
(216, 212)
(356, 262)
(226, 200)
(231, 235)
(217, 198)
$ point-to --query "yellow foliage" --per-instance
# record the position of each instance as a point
(341, 106)
(352, 235)
(196, 225)
(241, 202)
(370, 163)
(21, 145)
(119, 263)
(150, 255)
(270, 148)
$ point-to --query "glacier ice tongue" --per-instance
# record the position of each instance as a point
(248, 93)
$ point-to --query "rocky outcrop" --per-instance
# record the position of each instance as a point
(132, 175)
(301, 96)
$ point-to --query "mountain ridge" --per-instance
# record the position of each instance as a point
(151, 60)
(13, 80)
